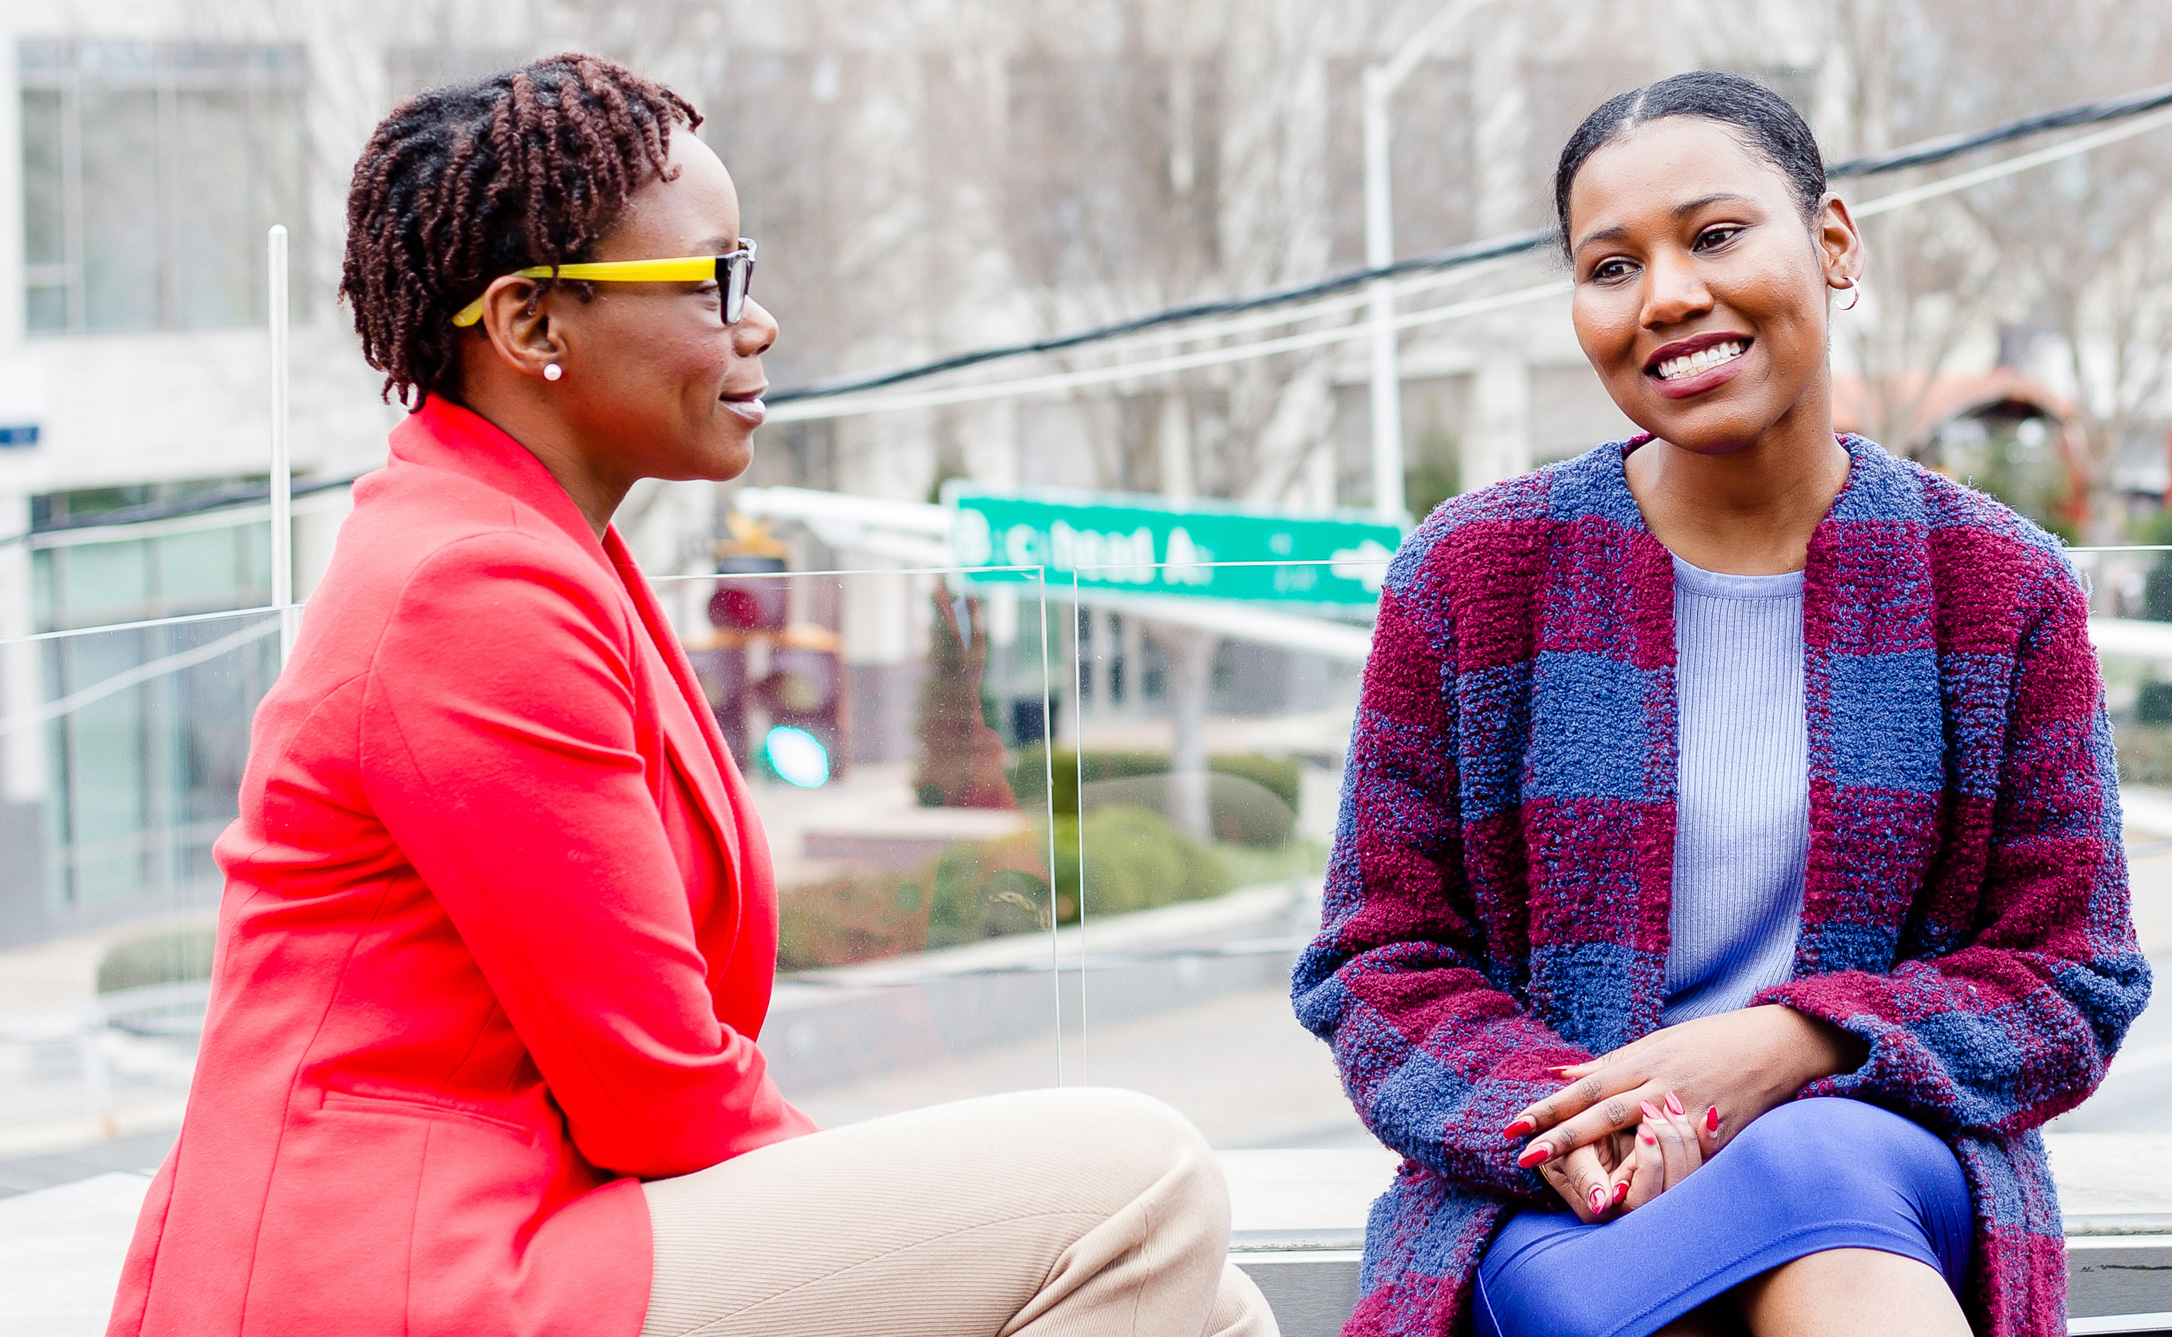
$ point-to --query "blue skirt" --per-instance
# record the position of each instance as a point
(1808, 1176)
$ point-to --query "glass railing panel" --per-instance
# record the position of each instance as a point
(891, 727)
(1201, 772)
(2130, 595)
(121, 756)
(2131, 613)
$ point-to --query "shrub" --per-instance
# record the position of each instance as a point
(2145, 754)
(1277, 775)
(974, 890)
(1135, 860)
(1239, 811)
(159, 958)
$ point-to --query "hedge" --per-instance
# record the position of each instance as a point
(1278, 775)
(988, 889)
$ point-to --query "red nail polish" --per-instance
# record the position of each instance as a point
(1537, 1155)
(1651, 1111)
(1674, 1105)
(1598, 1201)
(1621, 1191)
(1711, 1120)
(1644, 1135)
(1520, 1128)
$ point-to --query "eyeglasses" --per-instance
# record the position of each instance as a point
(732, 273)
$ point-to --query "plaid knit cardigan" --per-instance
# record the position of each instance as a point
(1497, 898)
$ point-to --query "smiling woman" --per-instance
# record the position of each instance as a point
(1729, 881)
(499, 927)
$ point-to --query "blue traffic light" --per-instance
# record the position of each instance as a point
(797, 757)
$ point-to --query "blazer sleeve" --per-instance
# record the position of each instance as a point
(2018, 1020)
(1436, 1058)
(499, 749)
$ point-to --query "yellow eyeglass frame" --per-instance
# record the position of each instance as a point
(733, 273)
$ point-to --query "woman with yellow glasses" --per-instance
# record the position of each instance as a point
(499, 926)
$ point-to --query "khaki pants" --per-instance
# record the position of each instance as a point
(1067, 1213)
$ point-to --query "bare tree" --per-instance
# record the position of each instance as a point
(1931, 276)
(2089, 240)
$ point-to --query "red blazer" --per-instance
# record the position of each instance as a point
(497, 937)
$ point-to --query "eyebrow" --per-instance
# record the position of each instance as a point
(1680, 211)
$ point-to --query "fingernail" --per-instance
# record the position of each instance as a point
(1537, 1155)
(1621, 1191)
(1711, 1120)
(1520, 1128)
(1561, 1069)
(1651, 1111)
(1644, 1135)
(1674, 1105)
(1598, 1201)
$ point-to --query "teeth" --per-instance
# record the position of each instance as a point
(1694, 364)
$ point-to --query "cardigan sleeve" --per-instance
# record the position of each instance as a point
(2018, 1020)
(1436, 1056)
(499, 724)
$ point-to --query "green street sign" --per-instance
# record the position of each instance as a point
(1143, 545)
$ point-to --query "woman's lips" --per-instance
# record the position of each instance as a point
(1710, 379)
(751, 408)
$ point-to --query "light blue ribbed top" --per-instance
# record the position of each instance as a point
(1742, 810)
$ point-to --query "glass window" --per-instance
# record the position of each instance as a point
(186, 568)
(150, 173)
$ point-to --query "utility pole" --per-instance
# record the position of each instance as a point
(1380, 83)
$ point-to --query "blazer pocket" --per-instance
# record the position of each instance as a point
(415, 1107)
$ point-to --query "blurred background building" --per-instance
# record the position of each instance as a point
(929, 178)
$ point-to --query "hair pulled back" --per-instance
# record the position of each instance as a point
(1766, 123)
(465, 183)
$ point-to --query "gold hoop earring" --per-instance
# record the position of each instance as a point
(1854, 290)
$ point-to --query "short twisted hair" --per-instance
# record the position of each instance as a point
(465, 183)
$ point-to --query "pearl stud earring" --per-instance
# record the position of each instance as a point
(552, 371)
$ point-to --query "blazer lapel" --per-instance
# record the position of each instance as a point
(698, 752)
(1875, 712)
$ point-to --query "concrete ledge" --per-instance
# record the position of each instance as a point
(1298, 1222)
(1298, 1228)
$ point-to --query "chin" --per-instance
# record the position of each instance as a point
(1715, 430)
(729, 462)
(1712, 443)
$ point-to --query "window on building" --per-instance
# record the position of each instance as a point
(150, 173)
(141, 780)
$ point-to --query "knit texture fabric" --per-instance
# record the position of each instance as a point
(1742, 810)
(1498, 898)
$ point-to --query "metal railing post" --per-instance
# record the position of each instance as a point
(282, 472)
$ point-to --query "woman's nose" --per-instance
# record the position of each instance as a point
(1673, 292)
(756, 331)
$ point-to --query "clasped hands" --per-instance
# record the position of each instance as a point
(1632, 1124)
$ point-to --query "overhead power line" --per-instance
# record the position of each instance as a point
(1923, 153)
(859, 405)
(1467, 254)
(1206, 357)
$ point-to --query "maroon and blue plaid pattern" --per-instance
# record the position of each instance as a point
(1497, 899)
